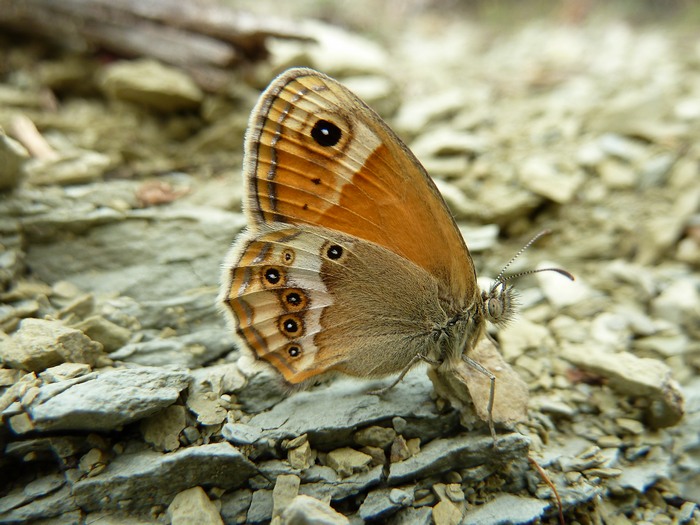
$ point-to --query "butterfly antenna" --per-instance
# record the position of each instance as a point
(500, 279)
(560, 271)
(529, 243)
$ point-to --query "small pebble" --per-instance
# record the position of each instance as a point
(346, 461)
(631, 426)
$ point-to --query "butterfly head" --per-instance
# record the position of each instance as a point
(500, 303)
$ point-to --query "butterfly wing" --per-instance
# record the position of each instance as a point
(316, 154)
(282, 286)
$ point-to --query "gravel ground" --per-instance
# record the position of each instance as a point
(123, 397)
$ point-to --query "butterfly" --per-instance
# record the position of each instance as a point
(351, 262)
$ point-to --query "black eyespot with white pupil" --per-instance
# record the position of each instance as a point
(288, 256)
(334, 252)
(272, 275)
(294, 351)
(291, 326)
(326, 133)
(293, 300)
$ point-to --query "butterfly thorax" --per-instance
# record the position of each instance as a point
(458, 329)
(456, 335)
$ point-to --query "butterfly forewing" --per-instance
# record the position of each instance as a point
(316, 154)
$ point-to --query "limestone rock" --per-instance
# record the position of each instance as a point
(468, 450)
(105, 401)
(75, 167)
(301, 457)
(305, 510)
(42, 343)
(193, 506)
(162, 429)
(508, 508)
(382, 503)
(374, 436)
(152, 84)
(446, 513)
(110, 335)
(286, 489)
(12, 156)
(142, 479)
(329, 413)
(469, 390)
(346, 461)
(635, 376)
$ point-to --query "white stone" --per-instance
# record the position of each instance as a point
(543, 177)
(193, 506)
(305, 510)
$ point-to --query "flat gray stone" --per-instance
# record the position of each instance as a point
(381, 503)
(235, 505)
(324, 483)
(331, 414)
(506, 508)
(59, 447)
(19, 497)
(412, 516)
(260, 510)
(146, 478)
(269, 471)
(54, 504)
(150, 254)
(105, 401)
(635, 376)
(643, 474)
(319, 481)
(187, 351)
(196, 307)
(459, 452)
(44, 485)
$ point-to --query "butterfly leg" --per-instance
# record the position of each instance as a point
(492, 392)
(416, 358)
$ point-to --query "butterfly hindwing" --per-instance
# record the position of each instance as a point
(311, 301)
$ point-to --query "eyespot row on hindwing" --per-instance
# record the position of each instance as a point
(288, 265)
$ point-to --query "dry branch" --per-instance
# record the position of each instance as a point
(199, 35)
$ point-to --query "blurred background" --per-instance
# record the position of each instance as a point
(121, 132)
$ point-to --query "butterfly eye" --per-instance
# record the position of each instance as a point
(499, 304)
(326, 133)
(494, 308)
